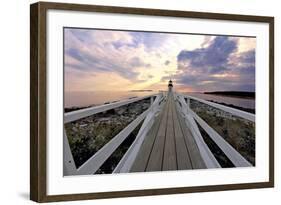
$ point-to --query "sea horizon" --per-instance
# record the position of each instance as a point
(94, 98)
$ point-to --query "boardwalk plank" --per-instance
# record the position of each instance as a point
(194, 153)
(183, 158)
(156, 156)
(170, 159)
(169, 145)
(143, 155)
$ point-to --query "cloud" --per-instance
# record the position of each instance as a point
(150, 76)
(144, 59)
(167, 62)
(211, 59)
(120, 44)
(96, 51)
(217, 66)
(91, 63)
(137, 62)
(148, 39)
(206, 42)
(248, 57)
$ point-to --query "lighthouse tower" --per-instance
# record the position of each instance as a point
(170, 86)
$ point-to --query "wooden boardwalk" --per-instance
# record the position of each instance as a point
(169, 145)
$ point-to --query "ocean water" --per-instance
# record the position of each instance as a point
(241, 102)
(80, 99)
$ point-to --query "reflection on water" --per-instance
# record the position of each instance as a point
(80, 99)
(241, 102)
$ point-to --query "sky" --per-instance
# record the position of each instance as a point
(107, 60)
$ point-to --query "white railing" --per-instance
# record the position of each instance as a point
(79, 114)
(97, 160)
(233, 111)
(191, 118)
(206, 154)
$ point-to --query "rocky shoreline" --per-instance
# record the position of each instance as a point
(238, 132)
(86, 136)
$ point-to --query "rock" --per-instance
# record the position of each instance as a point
(120, 111)
(104, 119)
(74, 129)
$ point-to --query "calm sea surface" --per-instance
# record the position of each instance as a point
(79, 99)
(241, 102)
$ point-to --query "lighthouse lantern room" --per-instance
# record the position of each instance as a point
(170, 85)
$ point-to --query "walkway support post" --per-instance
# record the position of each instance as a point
(151, 100)
(188, 104)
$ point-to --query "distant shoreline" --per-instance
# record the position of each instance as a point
(237, 94)
(141, 90)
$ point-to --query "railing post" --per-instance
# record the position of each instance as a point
(184, 106)
(69, 167)
(188, 104)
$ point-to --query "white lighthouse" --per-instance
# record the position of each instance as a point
(170, 86)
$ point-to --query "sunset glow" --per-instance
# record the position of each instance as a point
(97, 60)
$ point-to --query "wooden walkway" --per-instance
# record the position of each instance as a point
(169, 144)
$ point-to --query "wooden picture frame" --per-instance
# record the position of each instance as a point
(38, 100)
